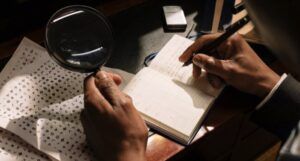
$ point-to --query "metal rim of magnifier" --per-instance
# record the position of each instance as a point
(100, 15)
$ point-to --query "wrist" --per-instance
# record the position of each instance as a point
(267, 83)
(132, 151)
(132, 156)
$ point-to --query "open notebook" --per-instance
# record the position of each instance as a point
(167, 96)
(41, 102)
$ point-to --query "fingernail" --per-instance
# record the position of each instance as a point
(198, 63)
(211, 61)
(101, 75)
(180, 59)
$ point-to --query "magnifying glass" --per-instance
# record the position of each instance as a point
(79, 38)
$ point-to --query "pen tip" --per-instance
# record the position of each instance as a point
(185, 64)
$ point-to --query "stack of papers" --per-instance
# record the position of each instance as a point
(40, 102)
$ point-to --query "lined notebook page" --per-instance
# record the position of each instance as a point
(167, 63)
(169, 101)
(41, 103)
(167, 93)
(167, 60)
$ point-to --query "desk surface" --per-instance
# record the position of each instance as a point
(139, 32)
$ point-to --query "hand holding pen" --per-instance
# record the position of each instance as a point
(233, 62)
(211, 46)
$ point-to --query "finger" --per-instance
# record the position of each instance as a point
(196, 71)
(84, 121)
(126, 104)
(231, 46)
(115, 77)
(89, 129)
(93, 97)
(211, 65)
(109, 89)
(131, 111)
(198, 44)
(239, 44)
(224, 50)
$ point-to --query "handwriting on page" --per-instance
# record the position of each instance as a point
(167, 63)
(167, 60)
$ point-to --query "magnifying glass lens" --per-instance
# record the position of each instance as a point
(79, 38)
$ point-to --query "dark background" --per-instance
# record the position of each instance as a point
(19, 16)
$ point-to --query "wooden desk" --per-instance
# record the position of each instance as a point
(225, 117)
(144, 38)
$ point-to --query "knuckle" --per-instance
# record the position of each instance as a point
(128, 97)
(91, 99)
(230, 70)
(228, 43)
(105, 84)
(125, 102)
(235, 39)
(101, 76)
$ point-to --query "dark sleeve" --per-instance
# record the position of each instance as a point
(282, 112)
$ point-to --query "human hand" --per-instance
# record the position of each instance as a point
(113, 127)
(235, 63)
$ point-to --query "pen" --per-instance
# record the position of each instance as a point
(208, 49)
(238, 8)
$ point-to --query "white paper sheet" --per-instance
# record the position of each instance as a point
(41, 102)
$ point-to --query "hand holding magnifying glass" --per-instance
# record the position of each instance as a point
(80, 39)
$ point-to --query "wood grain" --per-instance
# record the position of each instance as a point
(160, 148)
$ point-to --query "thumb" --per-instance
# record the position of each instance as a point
(210, 64)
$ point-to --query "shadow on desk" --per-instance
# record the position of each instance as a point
(221, 144)
(233, 138)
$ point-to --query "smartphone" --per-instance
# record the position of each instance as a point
(174, 18)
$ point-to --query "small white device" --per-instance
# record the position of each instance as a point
(174, 18)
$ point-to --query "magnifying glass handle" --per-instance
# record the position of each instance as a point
(98, 69)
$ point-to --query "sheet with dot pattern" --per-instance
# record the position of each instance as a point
(13, 148)
(41, 103)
